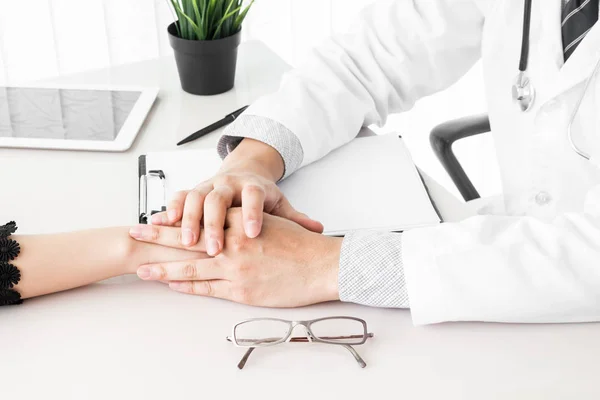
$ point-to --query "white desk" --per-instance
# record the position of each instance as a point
(62, 190)
(138, 340)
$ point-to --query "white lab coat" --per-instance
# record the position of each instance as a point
(540, 261)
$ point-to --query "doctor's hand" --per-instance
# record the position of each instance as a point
(247, 179)
(285, 266)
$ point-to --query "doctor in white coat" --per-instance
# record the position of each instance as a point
(537, 260)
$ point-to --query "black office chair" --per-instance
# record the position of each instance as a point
(442, 138)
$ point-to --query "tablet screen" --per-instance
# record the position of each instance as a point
(92, 115)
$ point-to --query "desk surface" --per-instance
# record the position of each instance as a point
(128, 339)
(67, 190)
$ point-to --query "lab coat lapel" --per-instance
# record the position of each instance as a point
(581, 63)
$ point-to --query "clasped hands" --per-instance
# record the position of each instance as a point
(264, 253)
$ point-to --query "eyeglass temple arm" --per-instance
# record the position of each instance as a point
(354, 353)
(357, 357)
(351, 349)
(242, 362)
(246, 356)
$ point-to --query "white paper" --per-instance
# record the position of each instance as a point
(370, 183)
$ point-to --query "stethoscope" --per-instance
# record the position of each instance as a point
(523, 92)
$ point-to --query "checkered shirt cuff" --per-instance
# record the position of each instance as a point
(267, 131)
(371, 270)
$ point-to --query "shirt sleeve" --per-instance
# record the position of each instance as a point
(516, 269)
(371, 270)
(397, 53)
(267, 131)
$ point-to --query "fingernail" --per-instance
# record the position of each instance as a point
(212, 247)
(252, 229)
(136, 232)
(187, 236)
(176, 285)
(144, 272)
(172, 215)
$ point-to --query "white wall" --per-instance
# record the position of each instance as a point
(44, 38)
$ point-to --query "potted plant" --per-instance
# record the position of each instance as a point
(205, 39)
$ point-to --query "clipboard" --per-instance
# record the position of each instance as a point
(143, 212)
(370, 183)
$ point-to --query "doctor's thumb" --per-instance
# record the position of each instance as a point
(306, 222)
(288, 212)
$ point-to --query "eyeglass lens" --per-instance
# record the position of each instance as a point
(339, 330)
(261, 332)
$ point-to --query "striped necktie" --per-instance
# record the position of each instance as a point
(578, 17)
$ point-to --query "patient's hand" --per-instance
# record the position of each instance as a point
(285, 266)
(148, 250)
(57, 262)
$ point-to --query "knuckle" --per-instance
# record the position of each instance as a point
(254, 190)
(202, 185)
(199, 193)
(182, 194)
(226, 180)
(190, 221)
(191, 213)
(207, 288)
(162, 272)
(189, 270)
(238, 242)
(215, 197)
(190, 288)
(211, 224)
(155, 233)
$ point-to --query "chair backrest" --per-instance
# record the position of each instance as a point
(442, 138)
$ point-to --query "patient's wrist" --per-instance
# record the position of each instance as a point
(126, 252)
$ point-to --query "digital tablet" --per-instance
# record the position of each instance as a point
(73, 117)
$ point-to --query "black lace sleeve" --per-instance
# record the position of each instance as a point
(9, 273)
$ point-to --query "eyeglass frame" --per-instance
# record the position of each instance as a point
(310, 336)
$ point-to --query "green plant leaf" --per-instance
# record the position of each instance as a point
(218, 30)
(181, 21)
(186, 6)
(177, 16)
(209, 19)
(204, 21)
(212, 7)
(198, 19)
(186, 9)
(195, 27)
(237, 25)
(196, 10)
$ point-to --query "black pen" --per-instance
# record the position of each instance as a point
(211, 128)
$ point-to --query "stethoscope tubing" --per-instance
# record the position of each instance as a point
(522, 80)
(576, 111)
(525, 38)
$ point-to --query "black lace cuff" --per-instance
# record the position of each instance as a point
(9, 274)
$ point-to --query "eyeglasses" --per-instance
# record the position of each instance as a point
(263, 332)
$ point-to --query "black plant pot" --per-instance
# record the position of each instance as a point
(205, 67)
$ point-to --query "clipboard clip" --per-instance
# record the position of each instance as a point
(144, 179)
